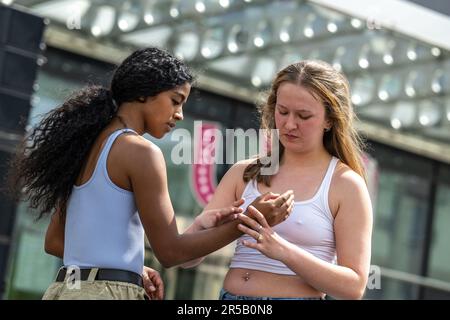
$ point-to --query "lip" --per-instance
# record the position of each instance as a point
(290, 136)
(171, 125)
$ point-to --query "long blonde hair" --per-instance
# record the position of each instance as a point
(332, 89)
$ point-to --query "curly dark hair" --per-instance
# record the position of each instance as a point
(50, 158)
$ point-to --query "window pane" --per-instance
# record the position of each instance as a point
(401, 210)
(439, 264)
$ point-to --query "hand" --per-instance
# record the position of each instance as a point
(215, 217)
(153, 284)
(275, 208)
(268, 241)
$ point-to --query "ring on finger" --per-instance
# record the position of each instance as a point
(260, 237)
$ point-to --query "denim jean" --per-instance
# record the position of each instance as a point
(225, 295)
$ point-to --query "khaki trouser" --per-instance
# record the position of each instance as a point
(94, 290)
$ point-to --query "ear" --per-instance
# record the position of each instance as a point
(328, 125)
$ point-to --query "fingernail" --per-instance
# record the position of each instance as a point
(152, 288)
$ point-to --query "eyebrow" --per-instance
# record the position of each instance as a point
(301, 110)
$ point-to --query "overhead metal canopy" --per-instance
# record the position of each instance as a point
(395, 53)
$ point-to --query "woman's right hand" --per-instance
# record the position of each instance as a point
(275, 207)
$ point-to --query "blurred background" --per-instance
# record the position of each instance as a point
(395, 54)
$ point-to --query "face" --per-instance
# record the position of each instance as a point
(300, 118)
(163, 111)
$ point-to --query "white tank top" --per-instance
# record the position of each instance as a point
(103, 228)
(310, 227)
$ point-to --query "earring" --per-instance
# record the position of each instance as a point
(327, 129)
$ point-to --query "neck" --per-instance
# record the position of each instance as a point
(306, 159)
(128, 119)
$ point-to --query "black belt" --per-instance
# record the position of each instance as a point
(105, 274)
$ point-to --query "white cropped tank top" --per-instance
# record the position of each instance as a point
(103, 228)
(309, 226)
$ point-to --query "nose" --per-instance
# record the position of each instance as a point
(290, 123)
(178, 115)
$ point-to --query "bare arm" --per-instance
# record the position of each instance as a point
(54, 237)
(353, 229)
(353, 233)
(149, 182)
(211, 219)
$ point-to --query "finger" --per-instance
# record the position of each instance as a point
(259, 217)
(250, 244)
(149, 288)
(230, 210)
(250, 222)
(270, 196)
(229, 213)
(145, 276)
(159, 292)
(147, 283)
(156, 279)
(252, 233)
(288, 203)
(151, 285)
(230, 218)
(291, 208)
(283, 198)
(239, 202)
(288, 210)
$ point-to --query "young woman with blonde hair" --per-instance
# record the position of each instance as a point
(324, 246)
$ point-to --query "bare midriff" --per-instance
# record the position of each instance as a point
(246, 282)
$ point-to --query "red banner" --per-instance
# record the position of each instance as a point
(204, 167)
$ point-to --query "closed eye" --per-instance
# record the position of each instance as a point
(284, 113)
(175, 102)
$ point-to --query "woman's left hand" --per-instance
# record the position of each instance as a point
(267, 240)
(215, 217)
(153, 284)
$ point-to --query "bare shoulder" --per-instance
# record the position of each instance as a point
(237, 170)
(239, 167)
(347, 187)
(230, 187)
(138, 152)
(344, 177)
(237, 174)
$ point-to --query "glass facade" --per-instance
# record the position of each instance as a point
(410, 198)
(439, 262)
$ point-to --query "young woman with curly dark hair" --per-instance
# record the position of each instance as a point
(87, 163)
